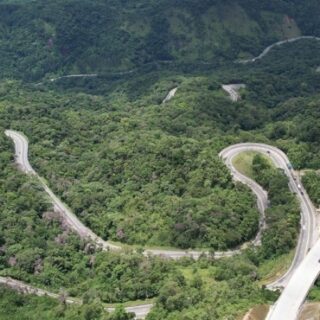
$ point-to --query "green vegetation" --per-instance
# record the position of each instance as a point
(243, 163)
(144, 188)
(148, 174)
(260, 168)
(272, 269)
(283, 214)
(41, 38)
(15, 306)
(49, 255)
(311, 181)
(314, 294)
(231, 286)
(107, 277)
(155, 168)
(197, 298)
(113, 278)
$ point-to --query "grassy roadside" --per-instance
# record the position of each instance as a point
(271, 270)
(256, 313)
(243, 162)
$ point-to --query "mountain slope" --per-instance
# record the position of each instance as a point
(63, 37)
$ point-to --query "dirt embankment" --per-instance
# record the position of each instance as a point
(257, 313)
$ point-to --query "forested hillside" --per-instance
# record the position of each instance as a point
(48, 255)
(145, 173)
(39, 38)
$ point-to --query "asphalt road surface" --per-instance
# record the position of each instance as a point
(170, 95)
(305, 267)
(308, 234)
(140, 311)
(277, 44)
(288, 305)
(21, 151)
(295, 281)
(233, 90)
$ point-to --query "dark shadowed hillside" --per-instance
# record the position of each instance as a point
(62, 37)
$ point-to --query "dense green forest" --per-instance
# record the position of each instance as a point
(283, 214)
(311, 180)
(237, 278)
(41, 38)
(146, 173)
(15, 306)
(143, 174)
(47, 254)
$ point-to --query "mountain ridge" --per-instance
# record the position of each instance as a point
(39, 39)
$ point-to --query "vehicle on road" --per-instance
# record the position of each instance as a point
(294, 278)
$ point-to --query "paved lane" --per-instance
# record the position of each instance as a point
(303, 270)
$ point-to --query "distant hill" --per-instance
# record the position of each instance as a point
(39, 38)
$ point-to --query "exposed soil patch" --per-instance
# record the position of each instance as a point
(257, 313)
(310, 311)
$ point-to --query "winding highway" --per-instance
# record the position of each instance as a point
(21, 154)
(291, 300)
(26, 288)
(170, 95)
(308, 234)
(140, 311)
(305, 266)
(233, 90)
(277, 44)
